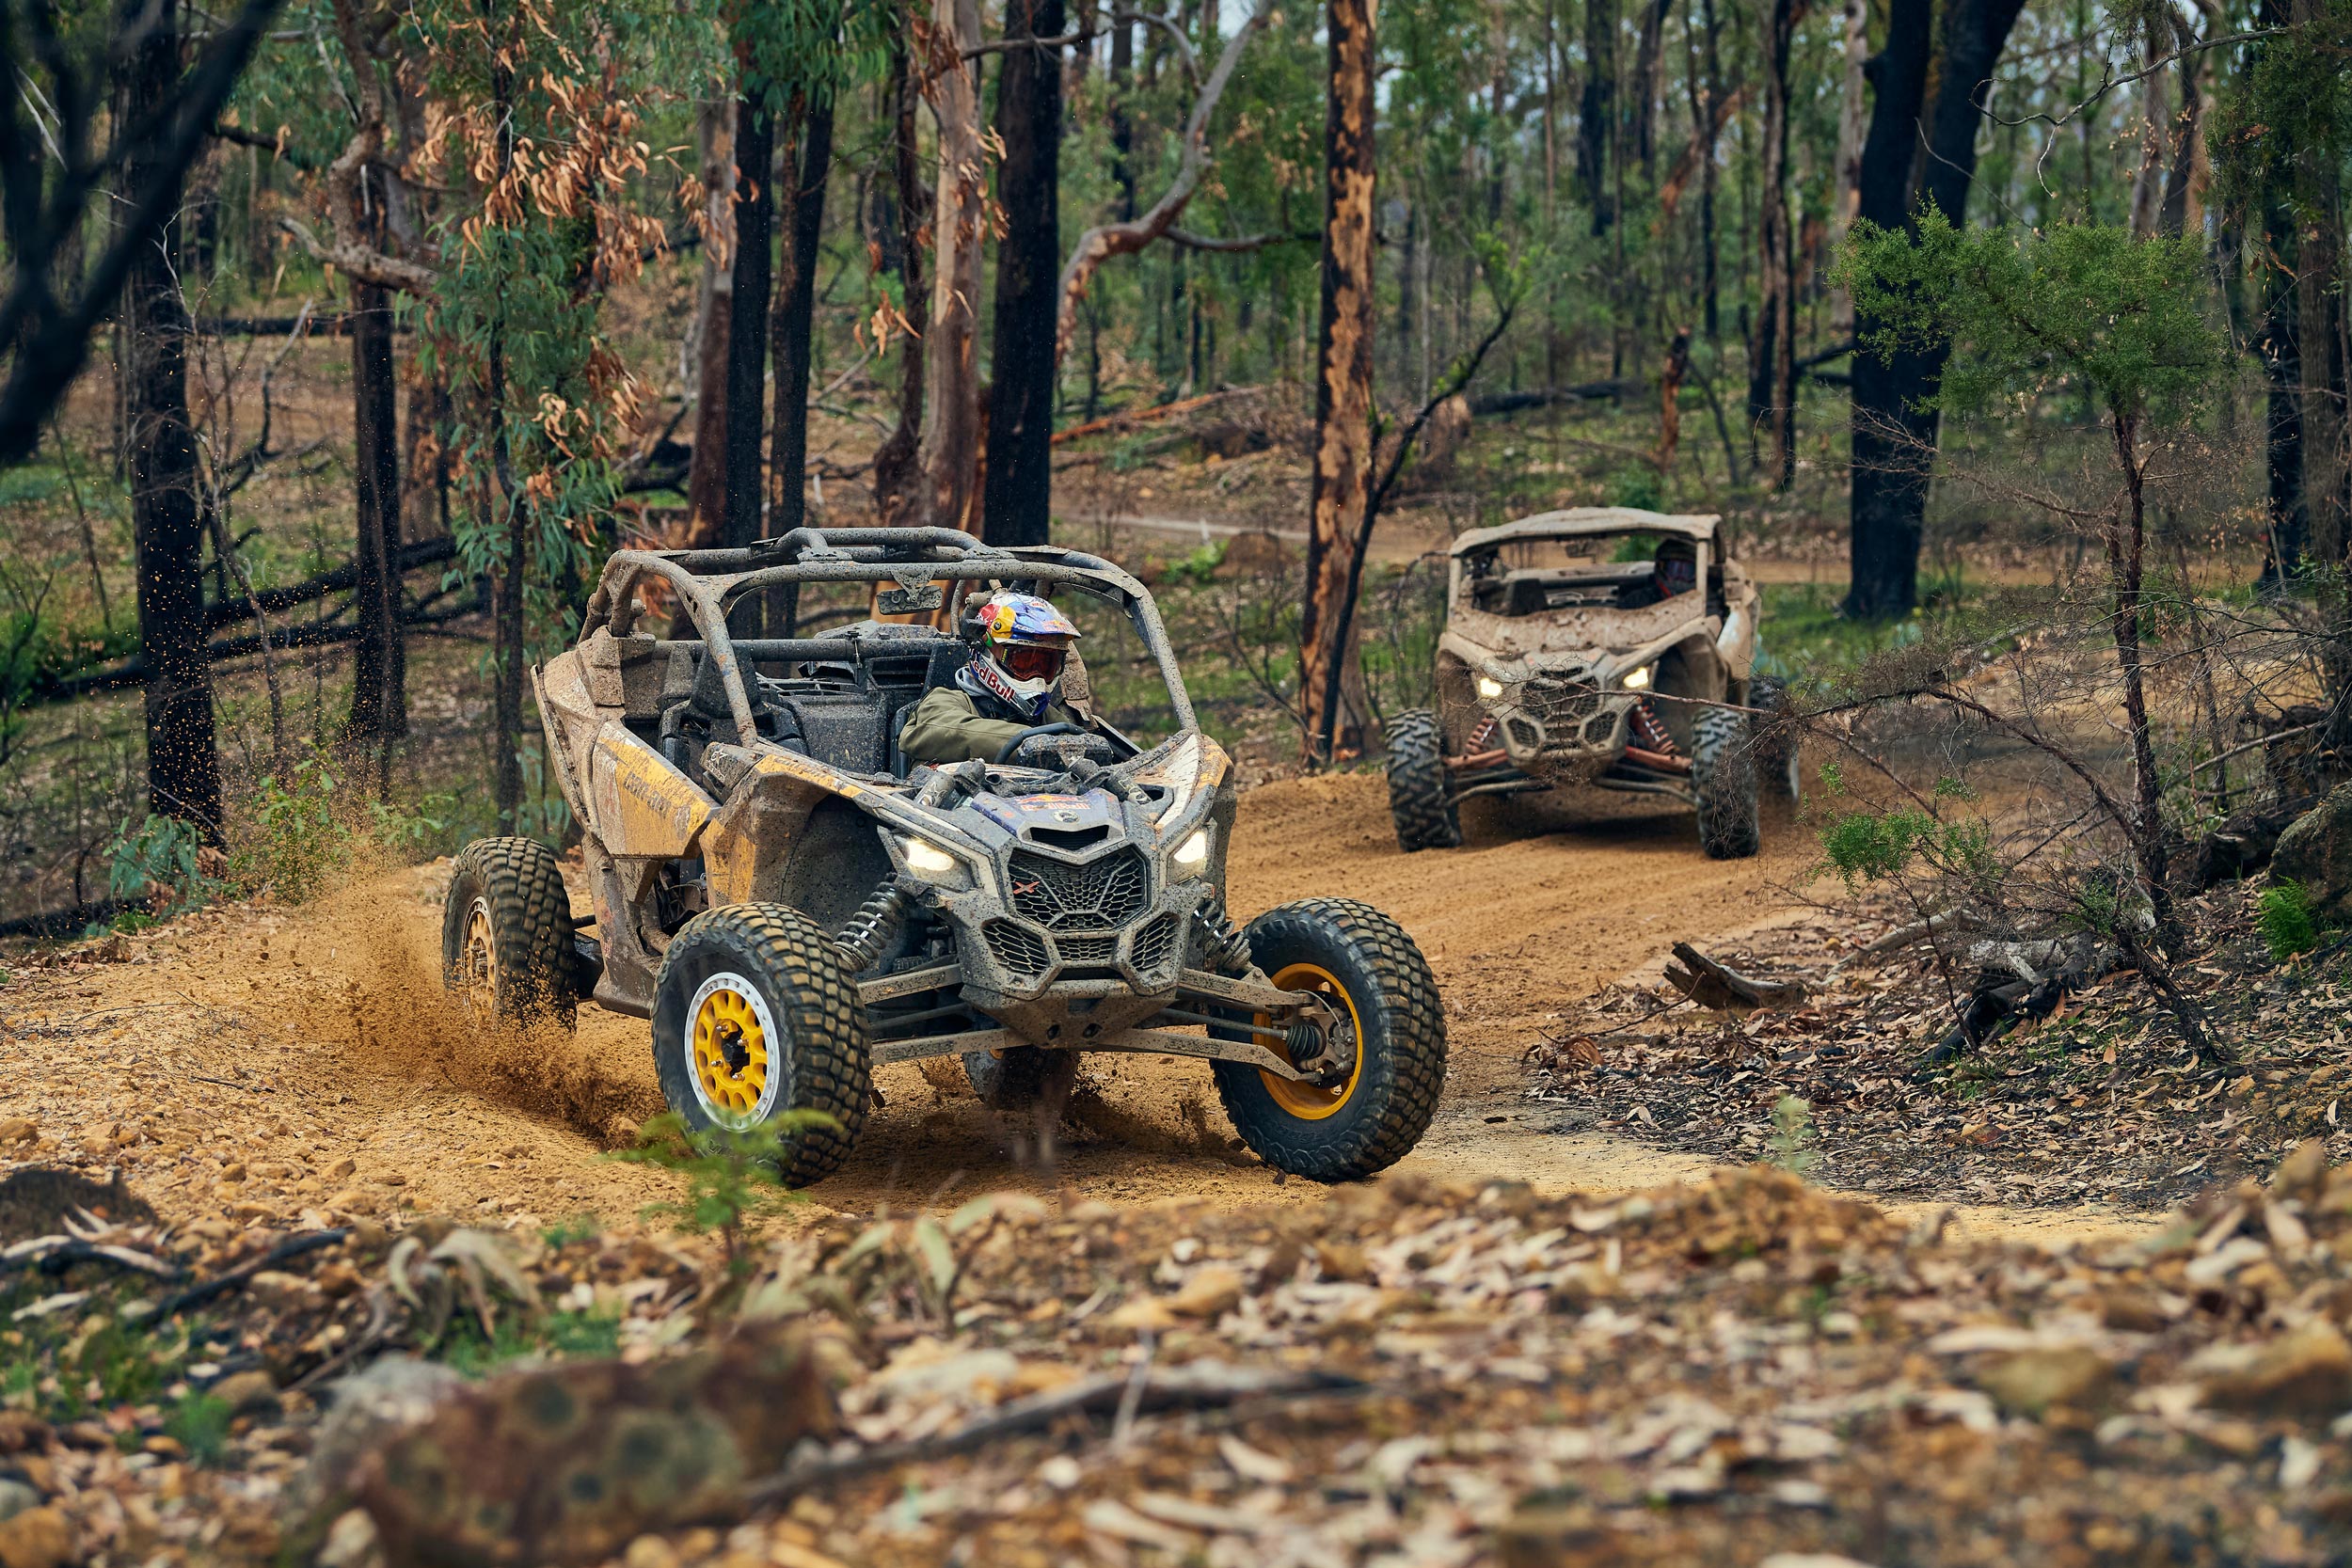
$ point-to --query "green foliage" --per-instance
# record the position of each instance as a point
(2086, 308)
(1870, 846)
(1792, 1143)
(300, 841)
(159, 862)
(2283, 914)
(1200, 567)
(200, 1423)
(1637, 485)
(732, 1178)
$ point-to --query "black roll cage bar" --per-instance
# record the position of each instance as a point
(707, 581)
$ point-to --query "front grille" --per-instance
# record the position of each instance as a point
(1017, 951)
(1099, 896)
(1087, 950)
(1561, 704)
(1153, 942)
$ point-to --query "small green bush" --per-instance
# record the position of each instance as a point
(1791, 1143)
(160, 864)
(1637, 485)
(2283, 914)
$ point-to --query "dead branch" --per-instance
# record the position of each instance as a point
(1103, 242)
(1144, 415)
(1727, 991)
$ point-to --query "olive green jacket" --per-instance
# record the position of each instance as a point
(944, 726)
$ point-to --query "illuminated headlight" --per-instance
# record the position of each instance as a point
(930, 861)
(1489, 687)
(1193, 850)
(1636, 680)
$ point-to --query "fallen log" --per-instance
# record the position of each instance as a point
(301, 634)
(1144, 415)
(1587, 391)
(1727, 991)
(224, 613)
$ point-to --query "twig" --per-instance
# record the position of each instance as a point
(1123, 1424)
(249, 1088)
(69, 1250)
(196, 1295)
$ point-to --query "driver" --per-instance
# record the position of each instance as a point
(1008, 686)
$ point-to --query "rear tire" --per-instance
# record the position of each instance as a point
(1723, 776)
(1366, 964)
(506, 934)
(1425, 819)
(755, 1016)
(1023, 1080)
(1774, 742)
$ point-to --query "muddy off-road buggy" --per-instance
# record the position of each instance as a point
(793, 903)
(1601, 647)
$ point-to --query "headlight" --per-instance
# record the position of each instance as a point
(1193, 850)
(1636, 680)
(929, 860)
(1489, 687)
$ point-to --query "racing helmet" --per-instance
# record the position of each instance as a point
(1024, 644)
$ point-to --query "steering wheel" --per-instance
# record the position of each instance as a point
(1005, 752)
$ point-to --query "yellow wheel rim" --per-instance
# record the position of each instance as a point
(729, 1043)
(477, 958)
(1305, 1101)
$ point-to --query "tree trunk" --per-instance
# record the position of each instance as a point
(168, 526)
(2281, 346)
(2184, 210)
(1893, 441)
(379, 704)
(1771, 355)
(1122, 130)
(1597, 111)
(747, 321)
(2155, 113)
(894, 460)
(949, 450)
(706, 474)
(1017, 505)
(1709, 290)
(1342, 457)
(1648, 63)
(2126, 543)
(2320, 321)
(511, 605)
(1846, 183)
(807, 168)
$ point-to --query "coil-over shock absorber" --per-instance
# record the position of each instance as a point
(1228, 950)
(875, 926)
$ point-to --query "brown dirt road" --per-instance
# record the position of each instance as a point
(277, 1061)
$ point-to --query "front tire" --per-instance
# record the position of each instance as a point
(1372, 973)
(1425, 819)
(1775, 742)
(1723, 776)
(755, 1016)
(506, 934)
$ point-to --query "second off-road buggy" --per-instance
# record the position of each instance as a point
(1604, 647)
(791, 903)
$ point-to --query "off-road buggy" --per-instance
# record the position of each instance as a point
(791, 903)
(1603, 647)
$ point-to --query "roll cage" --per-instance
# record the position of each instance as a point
(710, 582)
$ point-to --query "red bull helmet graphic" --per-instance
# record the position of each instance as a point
(1027, 640)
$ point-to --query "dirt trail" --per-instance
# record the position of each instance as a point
(292, 1042)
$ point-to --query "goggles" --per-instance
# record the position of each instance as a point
(1031, 661)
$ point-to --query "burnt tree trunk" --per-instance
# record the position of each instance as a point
(1016, 505)
(706, 473)
(807, 168)
(1772, 350)
(947, 457)
(510, 607)
(168, 524)
(2279, 343)
(1906, 160)
(1343, 452)
(1596, 110)
(747, 321)
(379, 698)
(894, 460)
(1122, 130)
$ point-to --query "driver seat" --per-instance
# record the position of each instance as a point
(947, 659)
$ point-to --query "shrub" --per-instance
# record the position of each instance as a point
(2283, 914)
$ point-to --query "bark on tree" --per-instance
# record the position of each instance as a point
(168, 527)
(1016, 506)
(706, 474)
(1649, 64)
(801, 201)
(510, 605)
(894, 460)
(1122, 129)
(1846, 185)
(2320, 318)
(1772, 352)
(1915, 152)
(747, 322)
(2279, 343)
(1343, 452)
(948, 453)
(2183, 209)
(1598, 110)
(380, 697)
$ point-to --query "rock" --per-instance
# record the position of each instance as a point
(18, 1130)
(20, 1432)
(37, 1538)
(341, 1168)
(1213, 1290)
(15, 1497)
(649, 1551)
(369, 1408)
(2307, 1372)
(1342, 1260)
(570, 1462)
(251, 1393)
(1144, 1313)
(2304, 1171)
(351, 1542)
(2029, 1382)
(2316, 851)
